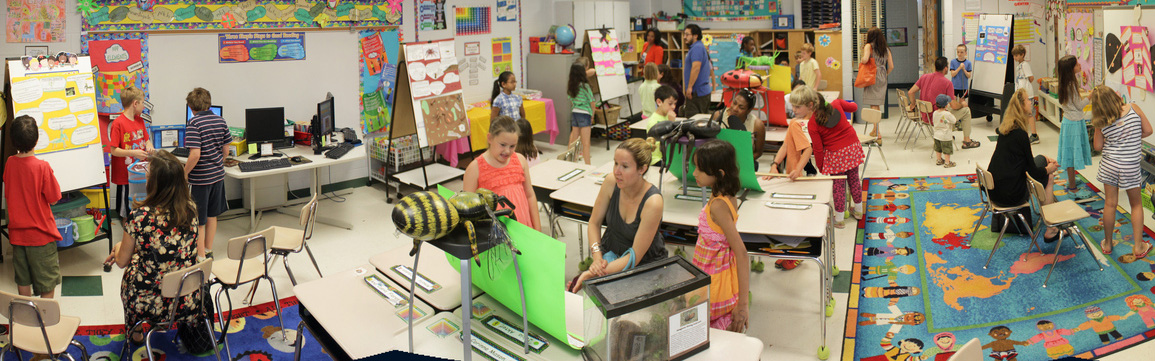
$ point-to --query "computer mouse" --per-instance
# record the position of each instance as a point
(297, 159)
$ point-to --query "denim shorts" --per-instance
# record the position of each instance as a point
(581, 120)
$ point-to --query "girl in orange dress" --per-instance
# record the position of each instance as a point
(505, 172)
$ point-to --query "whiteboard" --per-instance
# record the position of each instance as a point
(990, 65)
(607, 59)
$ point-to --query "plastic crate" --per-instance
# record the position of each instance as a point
(400, 152)
(167, 136)
(619, 132)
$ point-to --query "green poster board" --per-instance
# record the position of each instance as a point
(743, 146)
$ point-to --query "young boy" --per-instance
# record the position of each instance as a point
(207, 138)
(665, 99)
(129, 141)
(943, 126)
(808, 67)
(31, 188)
(1025, 79)
(960, 71)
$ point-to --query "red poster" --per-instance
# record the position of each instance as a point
(114, 55)
(374, 54)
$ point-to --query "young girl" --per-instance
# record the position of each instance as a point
(525, 145)
(750, 47)
(1074, 147)
(667, 78)
(835, 143)
(1117, 135)
(720, 250)
(505, 172)
(581, 98)
(503, 101)
(647, 89)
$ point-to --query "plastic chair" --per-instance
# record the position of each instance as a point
(1061, 215)
(27, 315)
(986, 183)
(290, 240)
(240, 268)
(174, 285)
(925, 112)
(971, 351)
(871, 116)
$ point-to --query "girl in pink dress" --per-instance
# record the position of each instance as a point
(505, 172)
(719, 250)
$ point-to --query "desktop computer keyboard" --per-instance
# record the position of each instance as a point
(265, 164)
(180, 152)
(339, 150)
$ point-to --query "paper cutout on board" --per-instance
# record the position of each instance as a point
(35, 21)
(380, 52)
(431, 14)
(502, 55)
(121, 60)
(1136, 58)
(607, 60)
(254, 47)
(993, 44)
(64, 117)
(472, 20)
(1114, 53)
(1079, 44)
(435, 90)
(184, 15)
(507, 10)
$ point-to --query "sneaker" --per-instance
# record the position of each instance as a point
(1034, 139)
(939, 161)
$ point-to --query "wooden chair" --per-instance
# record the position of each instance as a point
(173, 286)
(971, 351)
(1061, 215)
(35, 325)
(871, 116)
(242, 267)
(907, 114)
(986, 183)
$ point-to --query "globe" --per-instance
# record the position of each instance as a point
(565, 35)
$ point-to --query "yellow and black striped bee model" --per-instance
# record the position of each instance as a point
(427, 216)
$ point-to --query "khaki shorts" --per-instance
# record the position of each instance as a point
(38, 267)
(944, 146)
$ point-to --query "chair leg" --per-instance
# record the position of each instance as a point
(300, 339)
(224, 323)
(1087, 246)
(883, 155)
(288, 270)
(311, 258)
(869, 151)
(148, 342)
(1006, 222)
(1030, 232)
(216, 351)
(128, 338)
(1058, 246)
(277, 304)
(977, 224)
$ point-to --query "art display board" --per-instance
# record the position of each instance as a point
(380, 52)
(603, 51)
(62, 100)
(992, 53)
(728, 10)
(1079, 44)
(429, 81)
(1122, 57)
(134, 15)
(118, 60)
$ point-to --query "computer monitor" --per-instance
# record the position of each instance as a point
(325, 116)
(216, 109)
(266, 125)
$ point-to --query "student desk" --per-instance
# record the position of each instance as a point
(539, 113)
(349, 318)
(357, 154)
(775, 134)
(582, 193)
(435, 272)
(545, 177)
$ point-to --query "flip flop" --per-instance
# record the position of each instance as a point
(1145, 253)
(1108, 249)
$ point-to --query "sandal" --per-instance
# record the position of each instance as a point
(1145, 252)
(949, 165)
(939, 162)
(972, 144)
(1107, 249)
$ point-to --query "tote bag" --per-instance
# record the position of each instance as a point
(867, 73)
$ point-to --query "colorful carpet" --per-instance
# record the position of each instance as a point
(919, 287)
(253, 335)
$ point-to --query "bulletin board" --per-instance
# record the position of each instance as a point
(62, 100)
(132, 15)
(428, 80)
(602, 49)
(992, 53)
(119, 60)
(380, 51)
(729, 10)
(1079, 44)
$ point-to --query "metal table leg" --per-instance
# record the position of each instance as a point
(466, 309)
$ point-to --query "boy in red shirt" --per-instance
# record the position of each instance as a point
(128, 142)
(31, 188)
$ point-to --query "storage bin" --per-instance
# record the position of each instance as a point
(138, 172)
(85, 228)
(95, 197)
(611, 112)
(67, 231)
(167, 136)
(136, 197)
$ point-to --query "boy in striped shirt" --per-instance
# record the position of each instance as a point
(207, 138)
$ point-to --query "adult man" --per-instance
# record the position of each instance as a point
(696, 72)
(930, 85)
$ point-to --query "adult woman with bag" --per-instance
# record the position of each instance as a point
(874, 95)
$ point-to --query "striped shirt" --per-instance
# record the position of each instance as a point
(209, 133)
(1123, 142)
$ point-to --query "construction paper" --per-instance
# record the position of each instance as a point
(118, 60)
(744, 147)
(502, 56)
(64, 115)
(1136, 58)
(993, 44)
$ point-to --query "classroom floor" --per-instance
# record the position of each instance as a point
(783, 308)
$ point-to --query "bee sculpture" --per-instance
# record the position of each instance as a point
(426, 216)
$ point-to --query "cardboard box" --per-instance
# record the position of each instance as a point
(546, 47)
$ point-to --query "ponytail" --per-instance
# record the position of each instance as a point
(501, 79)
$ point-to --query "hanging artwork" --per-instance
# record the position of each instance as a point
(472, 20)
(1025, 30)
(380, 53)
(502, 55)
(431, 14)
(729, 10)
(1136, 58)
(59, 96)
(35, 21)
(1078, 32)
(474, 62)
(507, 10)
(993, 44)
(118, 60)
(258, 47)
(127, 15)
(435, 88)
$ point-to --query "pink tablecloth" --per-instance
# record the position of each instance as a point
(449, 151)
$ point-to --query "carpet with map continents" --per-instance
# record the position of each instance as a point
(253, 335)
(919, 287)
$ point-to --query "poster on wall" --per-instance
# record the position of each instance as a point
(502, 55)
(729, 10)
(380, 53)
(474, 63)
(128, 15)
(435, 87)
(472, 20)
(61, 97)
(1136, 58)
(723, 54)
(607, 60)
(35, 21)
(993, 44)
(1079, 45)
(431, 14)
(258, 47)
(118, 60)
(507, 10)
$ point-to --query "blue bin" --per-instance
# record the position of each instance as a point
(67, 229)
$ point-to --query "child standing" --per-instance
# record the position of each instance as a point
(960, 71)
(943, 126)
(1074, 147)
(129, 142)
(207, 138)
(502, 99)
(665, 99)
(1119, 132)
(581, 98)
(30, 188)
(808, 69)
(1025, 79)
(667, 79)
(505, 172)
(720, 250)
(646, 90)
(836, 147)
(525, 145)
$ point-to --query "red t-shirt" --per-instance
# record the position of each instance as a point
(31, 188)
(824, 139)
(125, 134)
(931, 85)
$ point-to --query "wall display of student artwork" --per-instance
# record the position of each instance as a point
(1136, 58)
(502, 55)
(1079, 43)
(126, 15)
(258, 47)
(1026, 31)
(380, 52)
(118, 60)
(472, 20)
(431, 14)
(729, 10)
(507, 10)
(993, 44)
(61, 97)
(607, 60)
(435, 89)
(35, 21)
(474, 63)
(723, 54)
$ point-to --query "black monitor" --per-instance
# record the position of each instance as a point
(266, 125)
(216, 109)
(325, 117)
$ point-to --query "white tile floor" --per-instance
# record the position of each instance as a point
(783, 308)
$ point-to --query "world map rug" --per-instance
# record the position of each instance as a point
(919, 288)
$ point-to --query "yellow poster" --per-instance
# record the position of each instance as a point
(61, 97)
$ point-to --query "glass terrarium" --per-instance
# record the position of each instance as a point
(659, 312)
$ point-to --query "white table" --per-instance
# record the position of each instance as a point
(545, 177)
(829, 95)
(434, 268)
(775, 134)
